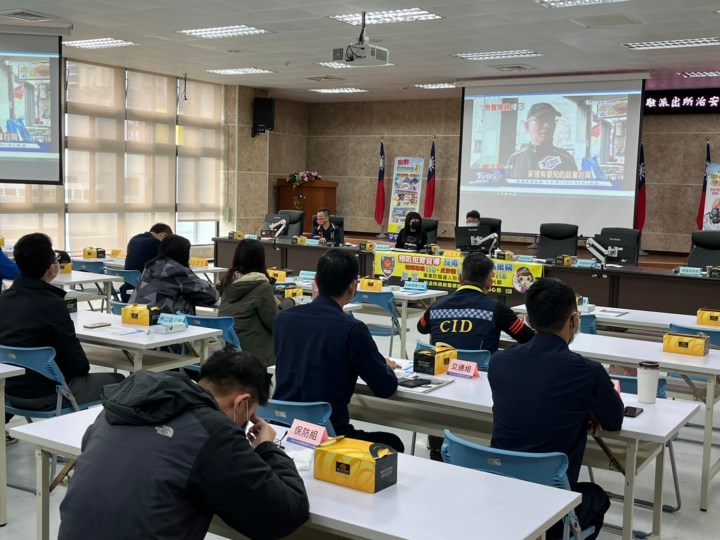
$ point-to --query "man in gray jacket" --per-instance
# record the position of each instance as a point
(167, 453)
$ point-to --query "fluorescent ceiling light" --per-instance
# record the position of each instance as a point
(239, 71)
(673, 44)
(224, 31)
(698, 74)
(103, 43)
(573, 3)
(384, 17)
(337, 90)
(435, 86)
(344, 65)
(494, 55)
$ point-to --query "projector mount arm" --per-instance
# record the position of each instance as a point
(599, 252)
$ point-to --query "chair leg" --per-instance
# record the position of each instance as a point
(391, 344)
(412, 443)
(591, 474)
(673, 466)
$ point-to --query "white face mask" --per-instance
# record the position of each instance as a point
(469, 223)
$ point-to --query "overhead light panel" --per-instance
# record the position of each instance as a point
(673, 44)
(239, 71)
(386, 17)
(575, 3)
(699, 74)
(224, 31)
(435, 86)
(337, 90)
(494, 55)
(343, 65)
(102, 43)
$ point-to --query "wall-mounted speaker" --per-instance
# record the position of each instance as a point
(263, 115)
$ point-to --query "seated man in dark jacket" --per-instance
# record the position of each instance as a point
(35, 315)
(545, 397)
(140, 249)
(166, 454)
(320, 351)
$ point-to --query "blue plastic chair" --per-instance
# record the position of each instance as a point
(285, 412)
(116, 307)
(131, 277)
(588, 323)
(480, 356)
(226, 324)
(548, 469)
(94, 266)
(385, 301)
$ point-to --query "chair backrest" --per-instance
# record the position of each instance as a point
(588, 323)
(384, 300)
(131, 277)
(557, 239)
(628, 385)
(295, 219)
(430, 226)
(495, 227)
(713, 335)
(96, 267)
(705, 249)
(285, 412)
(226, 324)
(38, 359)
(116, 307)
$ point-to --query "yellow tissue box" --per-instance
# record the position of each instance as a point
(293, 292)
(93, 253)
(2, 241)
(361, 465)
(709, 317)
(65, 268)
(279, 275)
(434, 361)
(198, 262)
(141, 314)
(367, 246)
(118, 253)
(695, 345)
(298, 240)
(370, 284)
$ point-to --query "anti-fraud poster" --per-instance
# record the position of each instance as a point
(406, 188)
(711, 218)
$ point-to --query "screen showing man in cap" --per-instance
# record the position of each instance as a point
(541, 154)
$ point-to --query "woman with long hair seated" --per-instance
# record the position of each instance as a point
(168, 282)
(248, 297)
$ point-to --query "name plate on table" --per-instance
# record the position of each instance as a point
(251, 237)
(382, 247)
(689, 271)
(452, 253)
(172, 318)
(585, 263)
(616, 384)
(525, 258)
(463, 368)
(306, 434)
(312, 242)
(307, 275)
(415, 286)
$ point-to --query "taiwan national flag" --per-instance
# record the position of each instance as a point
(430, 195)
(640, 214)
(701, 209)
(380, 192)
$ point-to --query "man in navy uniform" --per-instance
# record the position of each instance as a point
(326, 231)
(140, 249)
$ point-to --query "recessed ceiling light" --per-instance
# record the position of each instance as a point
(224, 31)
(103, 43)
(239, 71)
(494, 55)
(435, 86)
(573, 3)
(337, 90)
(673, 44)
(343, 65)
(384, 17)
(698, 74)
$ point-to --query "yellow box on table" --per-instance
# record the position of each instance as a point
(361, 465)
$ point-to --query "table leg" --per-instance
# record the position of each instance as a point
(657, 500)
(203, 350)
(42, 496)
(403, 327)
(3, 462)
(707, 442)
(629, 501)
(108, 296)
(137, 360)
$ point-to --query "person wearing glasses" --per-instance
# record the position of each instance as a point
(547, 398)
(541, 158)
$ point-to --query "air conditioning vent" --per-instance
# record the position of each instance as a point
(512, 67)
(28, 16)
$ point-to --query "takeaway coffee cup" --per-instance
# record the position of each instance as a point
(647, 375)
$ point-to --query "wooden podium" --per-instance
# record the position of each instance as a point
(308, 198)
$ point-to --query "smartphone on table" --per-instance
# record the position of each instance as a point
(96, 325)
(632, 412)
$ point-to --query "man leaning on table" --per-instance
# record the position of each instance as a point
(140, 249)
(167, 454)
(470, 319)
(546, 398)
(35, 315)
(320, 351)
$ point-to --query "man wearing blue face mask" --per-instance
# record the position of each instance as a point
(546, 397)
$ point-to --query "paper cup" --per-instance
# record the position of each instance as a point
(647, 377)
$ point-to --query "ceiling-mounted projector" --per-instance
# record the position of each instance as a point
(362, 53)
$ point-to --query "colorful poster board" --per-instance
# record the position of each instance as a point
(406, 189)
(711, 217)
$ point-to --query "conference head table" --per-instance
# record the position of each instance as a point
(465, 407)
(136, 340)
(431, 500)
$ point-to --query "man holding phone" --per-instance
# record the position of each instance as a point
(547, 398)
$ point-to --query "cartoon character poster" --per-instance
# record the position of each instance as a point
(406, 188)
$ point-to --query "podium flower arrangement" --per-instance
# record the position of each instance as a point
(299, 178)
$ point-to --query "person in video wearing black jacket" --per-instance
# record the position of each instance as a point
(412, 236)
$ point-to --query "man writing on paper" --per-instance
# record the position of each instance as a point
(470, 319)
(546, 398)
(320, 351)
(166, 454)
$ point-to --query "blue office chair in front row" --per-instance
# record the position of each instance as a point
(285, 412)
(548, 469)
(226, 324)
(386, 301)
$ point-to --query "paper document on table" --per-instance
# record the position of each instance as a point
(406, 366)
(432, 383)
(612, 312)
(120, 330)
